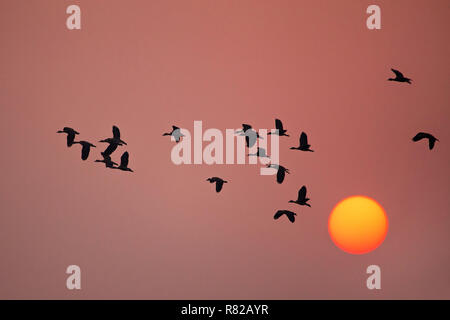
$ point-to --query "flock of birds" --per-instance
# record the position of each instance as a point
(251, 137)
(113, 143)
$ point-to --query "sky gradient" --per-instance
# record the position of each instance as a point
(162, 232)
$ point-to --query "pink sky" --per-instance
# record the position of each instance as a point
(162, 232)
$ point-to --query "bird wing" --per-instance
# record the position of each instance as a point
(291, 216)
(279, 213)
(278, 124)
(250, 138)
(245, 127)
(420, 136)
(70, 138)
(219, 185)
(111, 148)
(431, 143)
(85, 151)
(116, 132)
(302, 194)
(280, 175)
(124, 159)
(175, 128)
(303, 139)
(397, 73)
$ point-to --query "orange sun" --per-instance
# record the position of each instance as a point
(357, 224)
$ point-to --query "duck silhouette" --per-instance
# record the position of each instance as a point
(399, 77)
(291, 215)
(70, 135)
(218, 181)
(304, 146)
(86, 148)
(423, 135)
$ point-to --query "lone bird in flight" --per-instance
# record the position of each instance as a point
(280, 131)
(261, 152)
(399, 77)
(281, 171)
(114, 142)
(123, 163)
(291, 215)
(107, 161)
(86, 147)
(218, 181)
(423, 135)
(176, 133)
(70, 135)
(304, 146)
(302, 199)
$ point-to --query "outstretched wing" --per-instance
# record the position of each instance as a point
(397, 73)
(420, 136)
(303, 139)
(219, 185)
(280, 175)
(124, 160)
(250, 138)
(302, 193)
(279, 213)
(175, 128)
(278, 124)
(431, 143)
(116, 132)
(245, 127)
(70, 138)
(111, 148)
(85, 151)
(291, 216)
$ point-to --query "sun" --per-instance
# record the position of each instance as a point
(358, 224)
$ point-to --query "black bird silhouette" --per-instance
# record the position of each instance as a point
(280, 131)
(250, 135)
(114, 142)
(86, 147)
(423, 135)
(176, 133)
(70, 135)
(107, 161)
(399, 77)
(291, 215)
(245, 127)
(304, 146)
(218, 181)
(281, 171)
(302, 199)
(123, 163)
(261, 152)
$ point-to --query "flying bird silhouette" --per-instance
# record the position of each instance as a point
(423, 135)
(304, 146)
(123, 163)
(107, 161)
(113, 142)
(291, 215)
(86, 147)
(280, 131)
(250, 135)
(218, 181)
(261, 152)
(301, 199)
(281, 171)
(399, 77)
(70, 135)
(175, 133)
